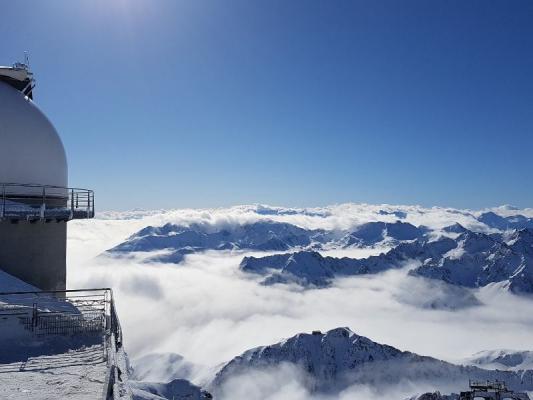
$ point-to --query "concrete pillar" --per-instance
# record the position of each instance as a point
(35, 252)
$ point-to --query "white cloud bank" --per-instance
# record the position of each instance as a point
(208, 311)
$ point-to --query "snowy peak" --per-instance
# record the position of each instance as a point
(339, 358)
(326, 356)
(375, 232)
(496, 221)
(455, 228)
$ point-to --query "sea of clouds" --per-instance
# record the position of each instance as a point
(208, 311)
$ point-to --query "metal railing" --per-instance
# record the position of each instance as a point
(71, 312)
(62, 312)
(44, 202)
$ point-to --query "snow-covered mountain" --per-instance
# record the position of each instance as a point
(182, 240)
(493, 220)
(451, 253)
(374, 232)
(310, 268)
(470, 259)
(479, 259)
(265, 235)
(339, 358)
(178, 389)
(511, 360)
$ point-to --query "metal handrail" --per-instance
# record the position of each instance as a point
(102, 301)
(45, 202)
(104, 305)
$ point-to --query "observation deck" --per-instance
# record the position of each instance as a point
(73, 336)
(19, 76)
(31, 202)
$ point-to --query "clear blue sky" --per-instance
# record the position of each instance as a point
(299, 103)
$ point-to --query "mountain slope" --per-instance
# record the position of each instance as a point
(310, 268)
(374, 232)
(470, 259)
(178, 389)
(182, 240)
(479, 259)
(511, 360)
(495, 221)
(339, 358)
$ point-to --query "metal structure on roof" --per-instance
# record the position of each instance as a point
(491, 390)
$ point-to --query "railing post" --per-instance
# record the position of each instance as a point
(43, 205)
(34, 317)
(88, 204)
(3, 200)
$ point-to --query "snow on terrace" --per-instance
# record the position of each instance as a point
(75, 374)
(50, 347)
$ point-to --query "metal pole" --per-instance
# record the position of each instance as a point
(43, 205)
(34, 317)
(3, 200)
(88, 204)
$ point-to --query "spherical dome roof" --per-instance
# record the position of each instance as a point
(31, 151)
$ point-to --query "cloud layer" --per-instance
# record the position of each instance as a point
(208, 311)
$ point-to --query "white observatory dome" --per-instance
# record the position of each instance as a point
(31, 151)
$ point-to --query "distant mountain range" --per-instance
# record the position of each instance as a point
(470, 259)
(334, 360)
(453, 254)
(182, 240)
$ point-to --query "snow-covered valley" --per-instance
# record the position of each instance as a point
(190, 300)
